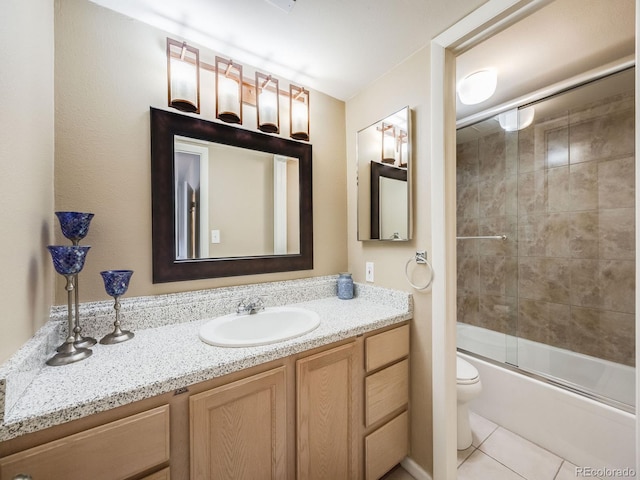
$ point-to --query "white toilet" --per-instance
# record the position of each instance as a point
(468, 387)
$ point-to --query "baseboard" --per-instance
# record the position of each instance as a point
(415, 470)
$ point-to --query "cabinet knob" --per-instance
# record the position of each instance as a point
(22, 476)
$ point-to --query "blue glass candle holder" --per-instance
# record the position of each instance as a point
(74, 225)
(68, 260)
(116, 283)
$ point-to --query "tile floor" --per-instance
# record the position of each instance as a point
(498, 454)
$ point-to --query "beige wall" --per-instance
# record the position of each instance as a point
(109, 70)
(26, 169)
(407, 84)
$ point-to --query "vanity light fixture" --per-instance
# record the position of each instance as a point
(183, 76)
(228, 90)
(477, 87)
(299, 112)
(516, 119)
(267, 104)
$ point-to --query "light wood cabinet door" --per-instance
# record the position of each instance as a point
(238, 430)
(116, 450)
(327, 423)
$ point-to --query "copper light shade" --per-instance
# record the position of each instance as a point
(183, 76)
(228, 90)
(267, 103)
(299, 112)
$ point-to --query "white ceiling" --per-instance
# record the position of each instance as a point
(333, 46)
(561, 40)
(340, 46)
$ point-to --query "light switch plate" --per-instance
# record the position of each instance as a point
(215, 236)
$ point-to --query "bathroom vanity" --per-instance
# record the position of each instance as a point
(330, 404)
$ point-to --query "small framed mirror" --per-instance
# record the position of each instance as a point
(227, 201)
(384, 179)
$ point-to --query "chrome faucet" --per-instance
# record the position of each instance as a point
(249, 306)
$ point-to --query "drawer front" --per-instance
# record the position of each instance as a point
(386, 391)
(386, 447)
(386, 348)
(161, 475)
(116, 450)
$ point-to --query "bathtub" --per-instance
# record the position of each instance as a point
(584, 431)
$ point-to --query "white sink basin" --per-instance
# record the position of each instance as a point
(268, 326)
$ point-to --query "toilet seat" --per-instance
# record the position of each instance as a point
(467, 374)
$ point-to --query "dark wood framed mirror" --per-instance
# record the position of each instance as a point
(218, 226)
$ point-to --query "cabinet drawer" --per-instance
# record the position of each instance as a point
(387, 347)
(387, 446)
(161, 475)
(386, 391)
(116, 450)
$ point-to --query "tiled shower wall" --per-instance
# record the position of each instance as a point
(563, 192)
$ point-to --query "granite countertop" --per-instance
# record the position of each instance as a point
(165, 357)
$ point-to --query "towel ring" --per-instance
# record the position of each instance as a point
(421, 259)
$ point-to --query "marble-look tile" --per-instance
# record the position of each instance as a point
(526, 151)
(602, 137)
(603, 334)
(481, 466)
(467, 227)
(617, 285)
(492, 198)
(481, 428)
(557, 232)
(464, 454)
(492, 156)
(507, 225)
(545, 322)
(467, 162)
(531, 235)
(521, 456)
(498, 313)
(603, 284)
(467, 200)
(532, 192)
(397, 473)
(616, 234)
(468, 309)
(583, 186)
(616, 183)
(547, 279)
(567, 471)
(557, 143)
(584, 232)
(468, 274)
(558, 189)
(493, 275)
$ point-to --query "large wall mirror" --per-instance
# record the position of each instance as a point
(384, 179)
(227, 201)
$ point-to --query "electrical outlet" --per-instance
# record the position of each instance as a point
(369, 272)
(215, 236)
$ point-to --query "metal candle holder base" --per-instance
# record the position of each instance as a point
(118, 335)
(68, 353)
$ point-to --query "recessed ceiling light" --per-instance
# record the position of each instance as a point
(284, 5)
(477, 87)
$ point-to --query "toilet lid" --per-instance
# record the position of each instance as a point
(466, 372)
